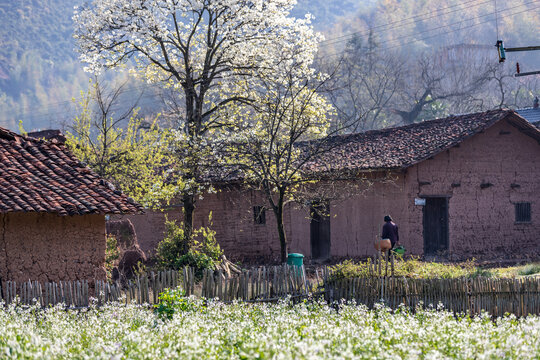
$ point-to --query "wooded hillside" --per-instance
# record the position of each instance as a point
(40, 72)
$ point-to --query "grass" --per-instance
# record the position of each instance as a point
(531, 269)
(415, 268)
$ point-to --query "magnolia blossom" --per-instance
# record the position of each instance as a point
(217, 54)
(216, 46)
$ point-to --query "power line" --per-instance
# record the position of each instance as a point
(462, 28)
(469, 19)
(41, 114)
(445, 26)
(366, 32)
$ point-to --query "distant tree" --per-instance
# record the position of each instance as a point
(365, 83)
(442, 77)
(506, 91)
(121, 147)
(208, 50)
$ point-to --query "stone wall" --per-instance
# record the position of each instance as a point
(48, 247)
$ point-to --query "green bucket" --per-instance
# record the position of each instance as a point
(399, 250)
(295, 259)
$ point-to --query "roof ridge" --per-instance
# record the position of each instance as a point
(503, 112)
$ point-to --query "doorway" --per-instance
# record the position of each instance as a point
(320, 230)
(435, 220)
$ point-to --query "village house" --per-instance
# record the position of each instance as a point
(531, 114)
(460, 187)
(52, 212)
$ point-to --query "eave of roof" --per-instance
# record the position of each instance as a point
(44, 176)
(511, 116)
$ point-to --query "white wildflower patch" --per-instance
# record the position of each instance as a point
(278, 331)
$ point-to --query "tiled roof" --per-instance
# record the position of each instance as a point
(530, 114)
(43, 176)
(48, 135)
(401, 147)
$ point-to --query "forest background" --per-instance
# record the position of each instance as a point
(439, 54)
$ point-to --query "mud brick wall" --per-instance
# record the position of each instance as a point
(232, 219)
(48, 247)
(357, 220)
(481, 219)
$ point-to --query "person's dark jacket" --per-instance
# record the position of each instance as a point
(390, 231)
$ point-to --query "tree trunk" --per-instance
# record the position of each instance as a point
(282, 237)
(189, 207)
(278, 210)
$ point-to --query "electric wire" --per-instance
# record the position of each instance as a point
(441, 27)
(43, 113)
(349, 36)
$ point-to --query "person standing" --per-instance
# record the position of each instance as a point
(390, 231)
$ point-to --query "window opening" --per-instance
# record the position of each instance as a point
(523, 212)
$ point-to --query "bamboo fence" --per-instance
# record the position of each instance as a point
(267, 284)
(258, 284)
(461, 295)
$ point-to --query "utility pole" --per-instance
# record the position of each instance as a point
(502, 56)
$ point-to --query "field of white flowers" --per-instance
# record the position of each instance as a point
(279, 331)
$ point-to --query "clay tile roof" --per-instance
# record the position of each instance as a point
(401, 147)
(43, 176)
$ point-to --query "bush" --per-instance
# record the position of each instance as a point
(176, 251)
(208, 244)
(173, 300)
(479, 272)
(172, 246)
(197, 260)
(349, 269)
(411, 268)
(530, 269)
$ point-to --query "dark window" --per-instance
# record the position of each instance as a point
(523, 212)
(259, 215)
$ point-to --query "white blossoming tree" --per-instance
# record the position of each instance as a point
(287, 129)
(214, 52)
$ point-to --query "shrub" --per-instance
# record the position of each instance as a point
(479, 272)
(176, 251)
(413, 268)
(208, 244)
(349, 269)
(530, 269)
(173, 300)
(172, 246)
(197, 260)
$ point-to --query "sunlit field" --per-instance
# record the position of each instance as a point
(199, 330)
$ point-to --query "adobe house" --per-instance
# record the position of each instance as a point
(531, 114)
(459, 187)
(52, 212)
